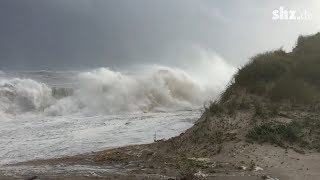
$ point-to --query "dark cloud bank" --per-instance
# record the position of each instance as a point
(59, 34)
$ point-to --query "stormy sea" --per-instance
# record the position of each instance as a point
(46, 114)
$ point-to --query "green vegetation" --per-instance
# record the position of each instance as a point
(280, 76)
(277, 81)
(308, 45)
(215, 108)
(262, 69)
(275, 132)
(304, 133)
(293, 89)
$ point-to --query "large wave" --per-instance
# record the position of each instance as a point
(23, 95)
(106, 91)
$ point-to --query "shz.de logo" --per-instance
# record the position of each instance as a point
(290, 14)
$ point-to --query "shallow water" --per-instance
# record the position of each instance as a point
(36, 136)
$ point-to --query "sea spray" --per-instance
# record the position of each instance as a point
(152, 88)
(23, 95)
(105, 91)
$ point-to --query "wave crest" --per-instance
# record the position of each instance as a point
(105, 91)
(23, 95)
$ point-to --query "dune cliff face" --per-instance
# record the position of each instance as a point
(274, 99)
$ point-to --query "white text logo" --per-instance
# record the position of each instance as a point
(290, 14)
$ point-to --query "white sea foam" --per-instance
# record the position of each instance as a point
(103, 91)
(49, 114)
(23, 95)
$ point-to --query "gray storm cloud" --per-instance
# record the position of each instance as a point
(46, 34)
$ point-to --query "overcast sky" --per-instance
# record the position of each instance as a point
(69, 34)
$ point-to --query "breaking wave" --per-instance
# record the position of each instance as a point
(105, 91)
(23, 95)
